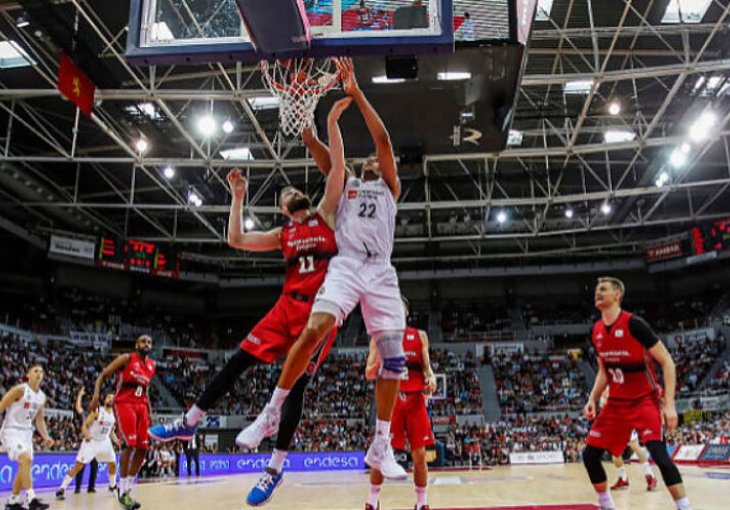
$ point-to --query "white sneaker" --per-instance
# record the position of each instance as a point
(265, 425)
(380, 456)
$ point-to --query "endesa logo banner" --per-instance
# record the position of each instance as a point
(48, 470)
(221, 464)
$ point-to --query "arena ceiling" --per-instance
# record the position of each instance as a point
(564, 192)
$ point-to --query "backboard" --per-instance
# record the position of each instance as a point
(194, 31)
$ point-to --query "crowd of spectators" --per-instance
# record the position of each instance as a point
(463, 392)
(694, 358)
(720, 382)
(538, 383)
(713, 428)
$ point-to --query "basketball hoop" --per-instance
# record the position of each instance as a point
(299, 84)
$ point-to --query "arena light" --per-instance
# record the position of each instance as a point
(168, 172)
(614, 108)
(22, 21)
(606, 208)
(685, 148)
(692, 11)
(194, 199)
(12, 55)
(702, 127)
(569, 213)
(578, 87)
(677, 158)
(237, 153)
(662, 179)
(206, 125)
(141, 145)
(501, 217)
(227, 127)
(543, 10)
(248, 224)
(514, 137)
(454, 76)
(618, 136)
(384, 79)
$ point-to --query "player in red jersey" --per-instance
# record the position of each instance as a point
(308, 243)
(132, 409)
(410, 415)
(627, 348)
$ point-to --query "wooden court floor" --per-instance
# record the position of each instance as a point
(521, 487)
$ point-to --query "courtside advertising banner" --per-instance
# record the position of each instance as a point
(536, 458)
(716, 454)
(688, 452)
(48, 470)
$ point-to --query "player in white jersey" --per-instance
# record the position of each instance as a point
(23, 406)
(98, 432)
(360, 273)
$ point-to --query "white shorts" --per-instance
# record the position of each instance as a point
(16, 442)
(375, 286)
(103, 451)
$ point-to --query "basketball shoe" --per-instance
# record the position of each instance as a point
(380, 456)
(620, 484)
(651, 482)
(264, 489)
(368, 506)
(265, 425)
(178, 429)
(37, 504)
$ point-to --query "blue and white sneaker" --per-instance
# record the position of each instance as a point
(171, 431)
(264, 489)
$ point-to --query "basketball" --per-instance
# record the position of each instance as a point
(365, 254)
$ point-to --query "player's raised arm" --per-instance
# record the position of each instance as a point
(381, 138)
(336, 179)
(660, 353)
(237, 238)
(80, 395)
(112, 368)
(319, 151)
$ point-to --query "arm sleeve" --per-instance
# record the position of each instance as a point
(640, 330)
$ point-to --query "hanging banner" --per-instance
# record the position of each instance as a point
(71, 247)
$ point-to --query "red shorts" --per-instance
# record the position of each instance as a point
(275, 334)
(410, 417)
(133, 420)
(612, 429)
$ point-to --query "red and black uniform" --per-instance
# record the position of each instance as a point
(410, 416)
(130, 401)
(634, 400)
(307, 247)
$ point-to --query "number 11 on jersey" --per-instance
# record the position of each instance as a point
(306, 264)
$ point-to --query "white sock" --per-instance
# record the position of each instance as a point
(66, 480)
(130, 483)
(683, 504)
(30, 495)
(421, 497)
(622, 474)
(276, 462)
(605, 501)
(123, 485)
(279, 396)
(382, 428)
(193, 416)
(647, 469)
(14, 499)
(374, 495)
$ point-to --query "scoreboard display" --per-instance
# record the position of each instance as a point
(711, 237)
(138, 256)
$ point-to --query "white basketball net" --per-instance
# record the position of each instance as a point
(298, 83)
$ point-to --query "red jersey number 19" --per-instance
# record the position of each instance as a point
(306, 264)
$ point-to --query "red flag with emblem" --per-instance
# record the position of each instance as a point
(75, 85)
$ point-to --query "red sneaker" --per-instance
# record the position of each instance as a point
(370, 507)
(620, 484)
(651, 482)
(424, 507)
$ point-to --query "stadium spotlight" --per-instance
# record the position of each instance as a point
(606, 208)
(662, 179)
(206, 126)
(194, 199)
(141, 145)
(248, 224)
(168, 172)
(501, 217)
(227, 127)
(702, 127)
(678, 158)
(569, 212)
(614, 108)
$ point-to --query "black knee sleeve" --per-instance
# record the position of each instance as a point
(224, 381)
(660, 456)
(291, 414)
(592, 461)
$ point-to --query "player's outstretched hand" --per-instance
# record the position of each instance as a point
(589, 411)
(48, 442)
(94, 404)
(338, 108)
(670, 416)
(347, 75)
(237, 182)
